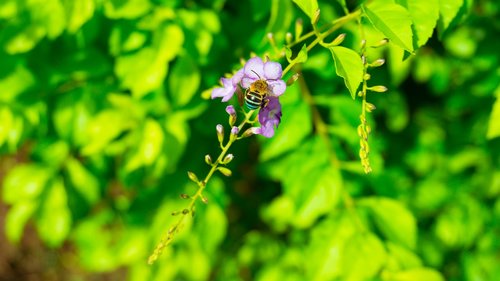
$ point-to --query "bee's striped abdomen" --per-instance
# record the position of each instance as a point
(253, 100)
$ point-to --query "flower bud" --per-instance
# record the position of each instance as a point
(250, 131)
(381, 43)
(337, 41)
(315, 17)
(377, 63)
(185, 196)
(288, 38)
(204, 200)
(270, 37)
(232, 114)
(225, 171)
(367, 76)
(370, 107)
(228, 158)
(175, 213)
(185, 211)
(378, 89)
(234, 132)
(220, 133)
(363, 43)
(208, 159)
(192, 176)
(292, 79)
(299, 27)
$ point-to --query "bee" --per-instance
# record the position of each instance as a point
(256, 95)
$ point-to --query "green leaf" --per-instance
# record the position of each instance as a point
(78, 13)
(150, 146)
(281, 17)
(448, 10)
(14, 84)
(393, 21)
(307, 6)
(54, 218)
(349, 66)
(184, 80)
(25, 182)
(16, 219)
(83, 181)
(363, 256)
(416, 274)
(104, 128)
(395, 221)
(116, 9)
(424, 15)
(494, 124)
(292, 130)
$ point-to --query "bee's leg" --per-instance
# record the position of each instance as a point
(240, 95)
(265, 102)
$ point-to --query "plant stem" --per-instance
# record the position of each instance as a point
(169, 235)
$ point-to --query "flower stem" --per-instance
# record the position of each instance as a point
(168, 237)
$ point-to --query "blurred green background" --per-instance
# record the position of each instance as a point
(103, 110)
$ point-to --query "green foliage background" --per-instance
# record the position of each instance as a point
(103, 109)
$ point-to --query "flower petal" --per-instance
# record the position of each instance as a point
(278, 87)
(246, 82)
(272, 70)
(254, 68)
(237, 77)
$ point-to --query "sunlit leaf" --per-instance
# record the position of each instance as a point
(393, 21)
(16, 219)
(448, 10)
(363, 256)
(54, 219)
(424, 15)
(25, 182)
(349, 66)
(309, 7)
(78, 13)
(116, 9)
(494, 124)
(417, 274)
(184, 80)
(83, 181)
(395, 221)
(150, 146)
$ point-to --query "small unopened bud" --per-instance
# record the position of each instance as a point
(360, 93)
(185, 211)
(208, 159)
(370, 107)
(299, 27)
(250, 131)
(192, 176)
(288, 37)
(185, 196)
(234, 132)
(204, 200)
(377, 63)
(228, 158)
(368, 129)
(338, 40)
(292, 79)
(363, 43)
(232, 114)
(175, 213)
(367, 76)
(315, 17)
(360, 131)
(381, 43)
(225, 171)
(270, 37)
(378, 89)
(363, 59)
(220, 133)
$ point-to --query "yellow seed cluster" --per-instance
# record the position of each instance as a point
(164, 242)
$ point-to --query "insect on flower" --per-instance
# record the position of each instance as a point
(256, 94)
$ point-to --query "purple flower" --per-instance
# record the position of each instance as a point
(269, 118)
(256, 69)
(270, 71)
(229, 87)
